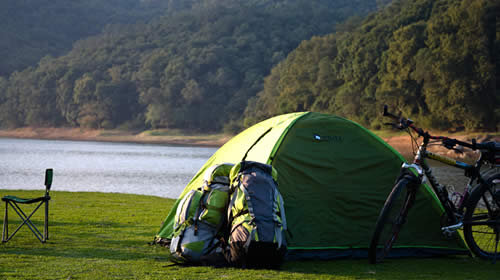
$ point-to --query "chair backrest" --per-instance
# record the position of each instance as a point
(48, 179)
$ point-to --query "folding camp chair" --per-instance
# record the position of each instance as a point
(15, 201)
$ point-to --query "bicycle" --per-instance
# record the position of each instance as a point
(477, 211)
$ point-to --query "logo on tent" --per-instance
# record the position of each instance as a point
(334, 138)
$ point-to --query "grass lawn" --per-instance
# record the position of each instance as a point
(104, 236)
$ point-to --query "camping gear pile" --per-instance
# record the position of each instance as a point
(333, 176)
(252, 232)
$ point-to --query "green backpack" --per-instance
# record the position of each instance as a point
(201, 216)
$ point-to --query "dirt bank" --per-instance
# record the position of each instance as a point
(154, 136)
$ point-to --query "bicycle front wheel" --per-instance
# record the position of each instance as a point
(391, 219)
(482, 220)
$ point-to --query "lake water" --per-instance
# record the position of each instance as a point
(100, 166)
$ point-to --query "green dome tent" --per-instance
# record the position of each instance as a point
(334, 176)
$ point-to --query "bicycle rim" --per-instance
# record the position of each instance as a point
(482, 222)
(390, 221)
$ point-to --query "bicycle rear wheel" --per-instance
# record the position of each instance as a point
(391, 219)
(482, 220)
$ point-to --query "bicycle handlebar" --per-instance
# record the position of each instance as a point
(402, 122)
(449, 143)
(491, 146)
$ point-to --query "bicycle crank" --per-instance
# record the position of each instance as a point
(450, 230)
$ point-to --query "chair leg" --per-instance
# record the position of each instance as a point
(5, 231)
(46, 224)
(26, 221)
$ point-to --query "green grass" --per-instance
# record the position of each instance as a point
(164, 132)
(181, 133)
(104, 236)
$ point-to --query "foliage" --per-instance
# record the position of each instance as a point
(193, 68)
(105, 235)
(432, 60)
(212, 65)
(32, 29)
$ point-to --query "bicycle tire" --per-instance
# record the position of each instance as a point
(484, 207)
(391, 219)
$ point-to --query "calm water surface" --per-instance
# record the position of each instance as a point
(98, 166)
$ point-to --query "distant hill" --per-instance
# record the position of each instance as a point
(32, 29)
(436, 61)
(194, 67)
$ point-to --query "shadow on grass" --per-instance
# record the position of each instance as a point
(90, 229)
(82, 253)
(86, 239)
(453, 266)
(55, 222)
(81, 246)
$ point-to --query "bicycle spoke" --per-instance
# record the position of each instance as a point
(391, 220)
(482, 222)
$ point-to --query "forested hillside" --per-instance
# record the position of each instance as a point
(195, 68)
(32, 29)
(436, 61)
(200, 63)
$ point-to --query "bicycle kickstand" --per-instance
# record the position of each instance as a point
(496, 247)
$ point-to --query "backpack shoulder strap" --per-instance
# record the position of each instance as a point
(249, 202)
(230, 212)
(282, 211)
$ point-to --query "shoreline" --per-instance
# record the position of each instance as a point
(400, 142)
(162, 137)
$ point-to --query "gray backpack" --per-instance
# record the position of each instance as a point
(201, 216)
(256, 217)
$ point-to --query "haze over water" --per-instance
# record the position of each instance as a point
(99, 166)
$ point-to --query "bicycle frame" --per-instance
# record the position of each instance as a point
(454, 212)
